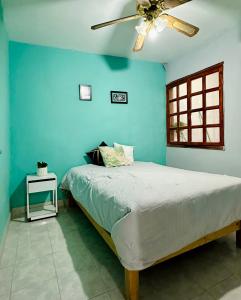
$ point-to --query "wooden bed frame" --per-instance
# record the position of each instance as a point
(132, 277)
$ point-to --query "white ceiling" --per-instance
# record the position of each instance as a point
(66, 24)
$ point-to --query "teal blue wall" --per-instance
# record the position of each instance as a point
(4, 128)
(48, 122)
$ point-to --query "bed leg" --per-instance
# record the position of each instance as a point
(132, 284)
(238, 237)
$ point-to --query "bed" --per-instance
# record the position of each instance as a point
(148, 213)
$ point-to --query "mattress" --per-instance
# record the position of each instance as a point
(151, 210)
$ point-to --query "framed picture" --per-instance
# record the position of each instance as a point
(85, 92)
(119, 97)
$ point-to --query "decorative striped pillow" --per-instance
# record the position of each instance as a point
(114, 157)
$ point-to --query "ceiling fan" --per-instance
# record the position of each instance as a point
(155, 18)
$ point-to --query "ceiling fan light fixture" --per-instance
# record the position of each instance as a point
(160, 24)
(142, 29)
(155, 20)
(153, 34)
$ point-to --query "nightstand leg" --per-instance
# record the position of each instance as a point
(28, 205)
(56, 200)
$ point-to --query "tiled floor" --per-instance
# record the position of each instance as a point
(66, 259)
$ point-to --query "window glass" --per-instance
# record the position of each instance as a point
(182, 89)
(197, 102)
(173, 122)
(213, 135)
(173, 136)
(197, 85)
(212, 99)
(184, 135)
(173, 107)
(197, 135)
(212, 116)
(197, 118)
(173, 93)
(212, 80)
(183, 120)
(183, 105)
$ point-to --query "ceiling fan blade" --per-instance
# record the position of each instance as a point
(180, 25)
(139, 44)
(117, 21)
(168, 4)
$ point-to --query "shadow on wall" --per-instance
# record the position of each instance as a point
(122, 38)
(117, 63)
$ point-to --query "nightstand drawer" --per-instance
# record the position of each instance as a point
(41, 186)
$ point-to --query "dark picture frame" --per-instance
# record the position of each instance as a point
(118, 97)
(85, 92)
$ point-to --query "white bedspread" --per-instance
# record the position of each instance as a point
(151, 210)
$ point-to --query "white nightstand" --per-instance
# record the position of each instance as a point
(37, 184)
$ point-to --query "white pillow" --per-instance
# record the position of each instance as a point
(128, 151)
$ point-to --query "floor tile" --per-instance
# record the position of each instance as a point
(11, 240)
(100, 252)
(102, 297)
(113, 275)
(169, 281)
(31, 273)
(205, 271)
(65, 224)
(5, 288)
(17, 225)
(42, 235)
(230, 261)
(23, 238)
(47, 290)
(229, 289)
(38, 227)
(116, 294)
(56, 232)
(6, 274)
(33, 250)
(67, 241)
(81, 284)
(5, 297)
(205, 296)
(74, 259)
(5, 282)
(8, 257)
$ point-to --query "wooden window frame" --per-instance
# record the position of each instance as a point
(188, 79)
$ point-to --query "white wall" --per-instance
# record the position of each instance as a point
(225, 48)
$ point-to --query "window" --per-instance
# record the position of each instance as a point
(195, 110)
